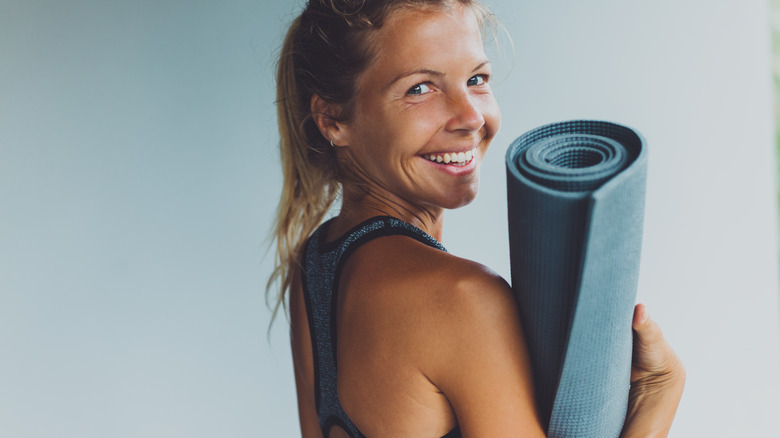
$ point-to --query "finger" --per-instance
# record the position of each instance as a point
(640, 315)
(647, 331)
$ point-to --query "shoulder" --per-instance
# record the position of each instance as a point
(405, 269)
(432, 300)
(408, 271)
(454, 320)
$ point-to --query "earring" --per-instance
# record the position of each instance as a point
(331, 143)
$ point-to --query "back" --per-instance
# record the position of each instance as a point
(323, 265)
(418, 336)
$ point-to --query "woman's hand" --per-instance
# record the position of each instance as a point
(657, 380)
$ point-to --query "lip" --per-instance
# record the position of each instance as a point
(466, 169)
(452, 151)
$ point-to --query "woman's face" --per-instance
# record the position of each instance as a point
(424, 114)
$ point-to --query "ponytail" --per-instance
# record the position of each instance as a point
(309, 185)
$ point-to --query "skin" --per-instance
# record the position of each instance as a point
(417, 99)
(427, 340)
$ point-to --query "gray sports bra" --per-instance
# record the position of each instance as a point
(322, 264)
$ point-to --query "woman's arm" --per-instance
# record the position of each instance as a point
(483, 366)
(484, 369)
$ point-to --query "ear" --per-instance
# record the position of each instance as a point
(325, 117)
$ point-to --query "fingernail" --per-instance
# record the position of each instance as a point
(644, 315)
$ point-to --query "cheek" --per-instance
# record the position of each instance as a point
(383, 142)
(492, 115)
(420, 125)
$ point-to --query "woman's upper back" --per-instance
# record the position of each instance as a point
(421, 337)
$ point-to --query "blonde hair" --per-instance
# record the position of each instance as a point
(325, 50)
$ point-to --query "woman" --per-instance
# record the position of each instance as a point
(389, 102)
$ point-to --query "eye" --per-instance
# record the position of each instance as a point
(477, 80)
(419, 89)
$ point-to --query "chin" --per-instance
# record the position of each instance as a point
(462, 199)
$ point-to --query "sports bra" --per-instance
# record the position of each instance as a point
(322, 264)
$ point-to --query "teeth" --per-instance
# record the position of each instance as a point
(456, 158)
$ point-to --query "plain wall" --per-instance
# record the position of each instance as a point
(139, 176)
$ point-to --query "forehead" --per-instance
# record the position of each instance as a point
(433, 37)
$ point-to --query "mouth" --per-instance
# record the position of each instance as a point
(457, 159)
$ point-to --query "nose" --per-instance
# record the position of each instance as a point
(466, 114)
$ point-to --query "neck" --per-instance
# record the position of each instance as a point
(359, 203)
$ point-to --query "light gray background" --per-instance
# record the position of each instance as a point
(139, 174)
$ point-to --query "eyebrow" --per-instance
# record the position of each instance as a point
(413, 72)
(428, 72)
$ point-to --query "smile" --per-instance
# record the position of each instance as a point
(452, 158)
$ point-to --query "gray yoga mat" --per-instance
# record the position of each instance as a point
(576, 205)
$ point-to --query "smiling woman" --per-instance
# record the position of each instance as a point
(389, 103)
(420, 96)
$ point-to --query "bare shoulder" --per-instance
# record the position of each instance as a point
(398, 273)
(455, 321)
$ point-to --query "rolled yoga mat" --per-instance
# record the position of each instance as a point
(576, 205)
